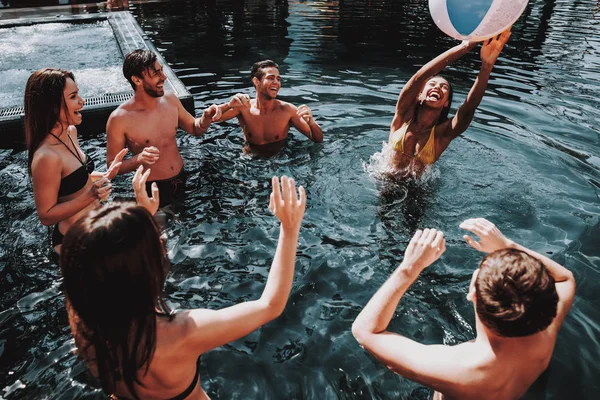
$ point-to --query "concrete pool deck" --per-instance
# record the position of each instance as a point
(129, 36)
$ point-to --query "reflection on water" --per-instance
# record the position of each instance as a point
(529, 162)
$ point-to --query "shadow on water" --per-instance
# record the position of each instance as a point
(529, 162)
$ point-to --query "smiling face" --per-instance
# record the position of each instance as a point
(435, 93)
(153, 80)
(269, 84)
(70, 113)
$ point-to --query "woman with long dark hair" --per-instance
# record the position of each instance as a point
(421, 129)
(62, 174)
(114, 267)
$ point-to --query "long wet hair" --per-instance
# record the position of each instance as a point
(44, 99)
(114, 267)
(444, 114)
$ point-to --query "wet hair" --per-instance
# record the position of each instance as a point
(44, 100)
(444, 113)
(257, 68)
(114, 267)
(515, 294)
(137, 62)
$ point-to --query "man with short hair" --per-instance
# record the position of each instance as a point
(521, 299)
(265, 120)
(147, 124)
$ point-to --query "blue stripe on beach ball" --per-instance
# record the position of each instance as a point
(466, 15)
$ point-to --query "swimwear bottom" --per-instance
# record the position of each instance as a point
(169, 189)
(57, 237)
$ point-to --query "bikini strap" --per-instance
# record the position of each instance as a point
(77, 156)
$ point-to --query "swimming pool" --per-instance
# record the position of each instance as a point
(529, 162)
(97, 45)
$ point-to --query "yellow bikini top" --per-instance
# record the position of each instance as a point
(426, 155)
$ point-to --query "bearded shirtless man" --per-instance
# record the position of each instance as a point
(147, 125)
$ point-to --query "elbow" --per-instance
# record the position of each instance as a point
(273, 309)
(359, 332)
(46, 221)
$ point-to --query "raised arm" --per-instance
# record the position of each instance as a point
(208, 328)
(490, 51)
(491, 239)
(303, 121)
(432, 365)
(408, 98)
(232, 108)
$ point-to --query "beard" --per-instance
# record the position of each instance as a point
(153, 91)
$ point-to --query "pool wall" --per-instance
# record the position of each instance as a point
(129, 36)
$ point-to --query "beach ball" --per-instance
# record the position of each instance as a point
(475, 20)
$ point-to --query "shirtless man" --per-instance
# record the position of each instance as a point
(265, 120)
(520, 297)
(147, 124)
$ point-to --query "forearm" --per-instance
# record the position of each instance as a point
(478, 90)
(436, 65)
(62, 211)
(279, 282)
(201, 125)
(316, 134)
(377, 314)
(557, 271)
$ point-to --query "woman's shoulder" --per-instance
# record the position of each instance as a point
(46, 157)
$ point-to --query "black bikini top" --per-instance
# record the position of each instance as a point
(77, 179)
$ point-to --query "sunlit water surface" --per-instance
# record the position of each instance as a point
(529, 162)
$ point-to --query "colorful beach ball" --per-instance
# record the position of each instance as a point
(475, 20)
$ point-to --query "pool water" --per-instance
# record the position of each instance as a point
(529, 163)
(92, 54)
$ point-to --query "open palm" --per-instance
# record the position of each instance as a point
(491, 48)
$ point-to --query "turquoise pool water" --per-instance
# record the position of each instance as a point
(529, 162)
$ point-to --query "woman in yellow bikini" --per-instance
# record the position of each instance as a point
(421, 129)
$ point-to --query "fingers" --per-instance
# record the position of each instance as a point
(120, 155)
(285, 188)
(472, 243)
(416, 237)
(438, 240)
(293, 194)
(302, 193)
(155, 193)
(276, 191)
(218, 112)
(272, 202)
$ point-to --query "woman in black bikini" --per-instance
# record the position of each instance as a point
(114, 267)
(63, 176)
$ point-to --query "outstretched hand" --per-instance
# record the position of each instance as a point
(141, 196)
(491, 48)
(211, 114)
(424, 249)
(286, 205)
(490, 237)
(113, 170)
(240, 100)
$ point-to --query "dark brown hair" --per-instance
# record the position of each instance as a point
(44, 99)
(137, 62)
(257, 68)
(114, 267)
(515, 294)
